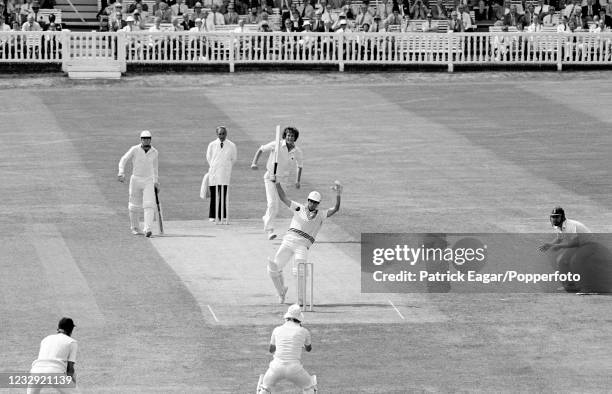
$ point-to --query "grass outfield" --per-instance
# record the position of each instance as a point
(467, 153)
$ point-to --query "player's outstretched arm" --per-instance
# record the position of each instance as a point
(549, 245)
(122, 162)
(256, 159)
(338, 188)
(281, 194)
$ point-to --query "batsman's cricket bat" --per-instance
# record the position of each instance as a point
(276, 147)
(159, 213)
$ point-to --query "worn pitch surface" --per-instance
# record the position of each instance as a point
(420, 155)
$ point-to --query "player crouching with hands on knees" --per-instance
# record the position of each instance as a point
(571, 235)
(286, 344)
(57, 355)
(143, 182)
(305, 224)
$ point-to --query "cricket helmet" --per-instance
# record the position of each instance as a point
(558, 211)
(315, 196)
(294, 312)
(557, 216)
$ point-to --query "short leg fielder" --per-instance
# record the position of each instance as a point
(286, 344)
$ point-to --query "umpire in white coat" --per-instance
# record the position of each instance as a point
(221, 156)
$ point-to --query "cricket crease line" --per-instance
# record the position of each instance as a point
(338, 242)
(213, 313)
(397, 310)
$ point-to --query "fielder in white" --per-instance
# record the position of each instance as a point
(571, 235)
(286, 344)
(143, 182)
(289, 155)
(57, 355)
(305, 225)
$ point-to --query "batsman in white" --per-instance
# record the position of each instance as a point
(286, 344)
(305, 225)
(143, 182)
(57, 355)
(289, 155)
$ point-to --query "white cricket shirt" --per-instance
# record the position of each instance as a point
(55, 352)
(571, 228)
(144, 164)
(286, 160)
(289, 339)
(303, 230)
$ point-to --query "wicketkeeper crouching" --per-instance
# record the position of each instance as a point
(286, 345)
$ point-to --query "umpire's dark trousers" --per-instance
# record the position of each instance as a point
(214, 190)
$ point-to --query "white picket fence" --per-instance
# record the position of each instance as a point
(231, 48)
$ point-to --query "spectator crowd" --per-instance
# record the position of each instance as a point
(19, 15)
(351, 15)
(324, 15)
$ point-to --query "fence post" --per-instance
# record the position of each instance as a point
(121, 52)
(559, 52)
(450, 52)
(65, 50)
(232, 52)
(340, 51)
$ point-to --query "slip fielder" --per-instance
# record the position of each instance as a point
(305, 225)
(143, 182)
(57, 355)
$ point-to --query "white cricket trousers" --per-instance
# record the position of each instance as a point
(292, 371)
(273, 204)
(59, 389)
(287, 250)
(142, 196)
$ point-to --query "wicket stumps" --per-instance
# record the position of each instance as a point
(221, 202)
(305, 297)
